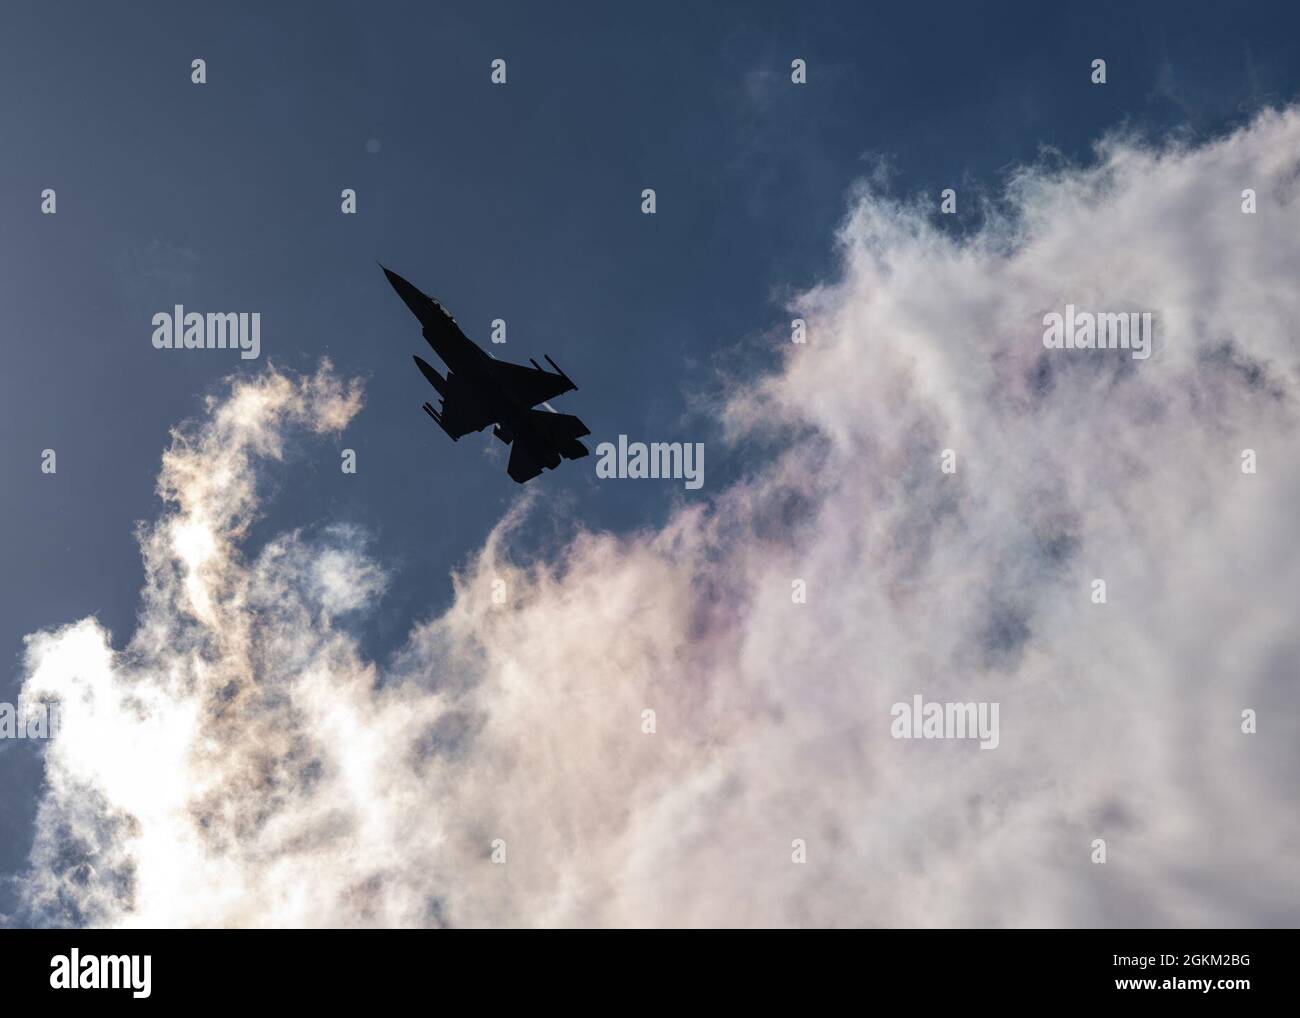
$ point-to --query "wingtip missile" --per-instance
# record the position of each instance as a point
(559, 371)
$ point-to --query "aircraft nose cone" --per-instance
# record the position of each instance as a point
(398, 283)
(411, 297)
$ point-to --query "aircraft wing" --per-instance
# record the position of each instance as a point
(532, 385)
(461, 413)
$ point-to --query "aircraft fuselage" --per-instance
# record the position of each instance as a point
(468, 361)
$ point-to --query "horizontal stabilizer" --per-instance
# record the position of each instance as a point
(522, 467)
(562, 431)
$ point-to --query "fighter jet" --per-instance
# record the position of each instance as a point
(480, 390)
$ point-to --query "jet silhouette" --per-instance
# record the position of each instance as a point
(480, 390)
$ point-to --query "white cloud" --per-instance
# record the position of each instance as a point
(239, 763)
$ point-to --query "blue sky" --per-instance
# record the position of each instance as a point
(518, 202)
